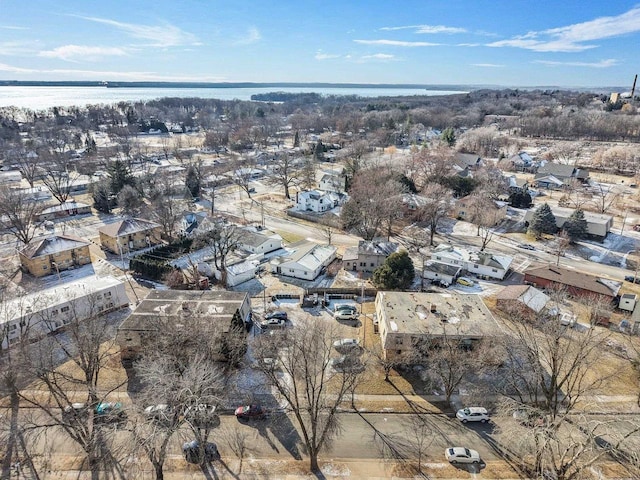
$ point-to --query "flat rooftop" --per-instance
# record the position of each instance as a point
(455, 314)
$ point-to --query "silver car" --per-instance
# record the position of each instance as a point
(461, 455)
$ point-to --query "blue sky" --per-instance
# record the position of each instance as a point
(502, 42)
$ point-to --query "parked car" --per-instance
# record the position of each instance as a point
(75, 410)
(347, 364)
(194, 454)
(526, 246)
(161, 412)
(272, 323)
(345, 315)
(279, 314)
(248, 412)
(347, 344)
(461, 455)
(104, 412)
(632, 279)
(345, 307)
(467, 282)
(472, 414)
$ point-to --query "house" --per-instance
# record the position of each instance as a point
(407, 318)
(67, 209)
(306, 260)
(598, 224)
(261, 241)
(578, 284)
(550, 182)
(241, 271)
(525, 298)
(441, 272)
(368, 255)
(412, 202)
(54, 254)
(191, 221)
(628, 302)
(10, 176)
(468, 161)
(522, 162)
(563, 173)
(49, 310)
(38, 194)
(318, 201)
(232, 310)
(464, 209)
(129, 234)
(481, 264)
(333, 182)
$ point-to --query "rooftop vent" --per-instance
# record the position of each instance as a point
(434, 308)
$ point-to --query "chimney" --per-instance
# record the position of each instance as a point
(434, 308)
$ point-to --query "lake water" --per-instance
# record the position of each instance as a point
(37, 98)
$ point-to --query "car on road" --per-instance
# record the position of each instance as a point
(347, 344)
(201, 414)
(347, 364)
(104, 412)
(194, 454)
(632, 279)
(467, 282)
(526, 246)
(472, 414)
(461, 455)
(161, 412)
(248, 412)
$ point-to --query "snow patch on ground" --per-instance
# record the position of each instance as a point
(335, 470)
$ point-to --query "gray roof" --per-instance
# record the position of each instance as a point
(377, 248)
(556, 169)
(468, 159)
(574, 278)
(127, 227)
(52, 245)
(442, 268)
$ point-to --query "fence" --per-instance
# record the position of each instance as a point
(329, 221)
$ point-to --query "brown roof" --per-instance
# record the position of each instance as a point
(577, 279)
(51, 245)
(511, 292)
(127, 226)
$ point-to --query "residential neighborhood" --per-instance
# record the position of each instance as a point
(222, 295)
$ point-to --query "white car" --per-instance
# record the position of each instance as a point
(345, 315)
(346, 344)
(473, 414)
(461, 455)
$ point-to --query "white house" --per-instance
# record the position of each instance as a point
(46, 311)
(241, 271)
(259, 241)
(441, 272)
(333, 182)
(306, 260)
(10, 176)
(482, 264)
(318, 201)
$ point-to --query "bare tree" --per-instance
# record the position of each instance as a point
(437, 206)
(238, 442)
(88, 347)
(222, 239)
(605, 198)
(307, 371)
(28, 163)
(308, 173)
(285, 173)
(167, 211)
(19, 214)
(242, 176)
(417, 240)
(59, 175)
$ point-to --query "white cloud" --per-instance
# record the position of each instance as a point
(10, 68)
(73, 53)
(428, 29)
(610, 62)
(16, 48)
(164, 35)
(252, 36)
(396, 43)
(487, 65)
(468, 44)
(574, 38)
(379, 56)
(325, 56)
(12, 27)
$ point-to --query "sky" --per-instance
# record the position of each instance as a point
(587, 43)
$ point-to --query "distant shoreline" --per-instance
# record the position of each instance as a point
(37, 83)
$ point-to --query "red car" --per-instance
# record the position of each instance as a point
(250, 411)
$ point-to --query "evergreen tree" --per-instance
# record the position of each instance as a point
(120, 176)
(397, 272)
(576, 226)
(543, 221)
(100, 192)
(449, 136)
(296, 139)
(318, 152)
(520, 199)
(192, 181)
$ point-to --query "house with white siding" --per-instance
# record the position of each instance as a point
(261, 241)
(305, 261)
(318, 201)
